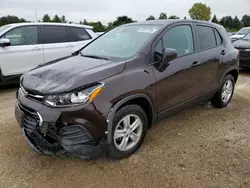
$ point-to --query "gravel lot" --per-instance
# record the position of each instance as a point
(199, 147)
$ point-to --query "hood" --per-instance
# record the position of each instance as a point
(237, 36)
(242, 44)
(69, 73)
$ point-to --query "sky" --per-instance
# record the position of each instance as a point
(108, 10)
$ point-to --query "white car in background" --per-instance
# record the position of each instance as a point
(240, 34)
(24, 46)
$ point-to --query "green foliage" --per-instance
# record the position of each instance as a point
(151, 18)
(236, 23)
(173, 17)
(10, 19)
(163, 16)
(46, 18)
(185, 18)
(57, 19)
(200, 11)
(63, 19)
(214, 19)
(246, 20)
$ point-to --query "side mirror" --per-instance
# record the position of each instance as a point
(169, 54)
(4, 42)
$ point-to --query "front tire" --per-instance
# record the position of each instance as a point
(225, 93)
(130, 126)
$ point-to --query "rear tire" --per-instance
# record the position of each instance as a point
(130, 126)
(225, 93)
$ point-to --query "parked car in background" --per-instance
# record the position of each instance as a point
(240, 34)
(243, 45)
(23, 46)
(230, 34)
(99, 33)
(104, 97)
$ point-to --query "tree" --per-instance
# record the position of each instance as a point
(63, 19)
(214, 20)
(200, 11)
(163, 16)
(236, 23)
(97, 26)
(10, 19)
(228, 22)
(185, 18)
(151, 18)
(46, 18)
(173, 17)
(57, 19)
(246, 20)
(122, 20)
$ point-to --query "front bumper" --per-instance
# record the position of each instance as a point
(244, 58)
(60, 131)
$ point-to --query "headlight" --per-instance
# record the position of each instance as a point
(74, 98)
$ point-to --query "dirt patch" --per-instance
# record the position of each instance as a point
(199, 147)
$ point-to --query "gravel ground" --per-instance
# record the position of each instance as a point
(199, 147)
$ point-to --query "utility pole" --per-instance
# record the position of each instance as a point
(36, 15)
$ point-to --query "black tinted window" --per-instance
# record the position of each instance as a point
(218, 37)
(179, 38)
(80, 34)
(206, 37)
(23, 36)
(55, 34)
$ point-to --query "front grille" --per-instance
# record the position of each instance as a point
(30, 119)
(44, 142)
(244, 55)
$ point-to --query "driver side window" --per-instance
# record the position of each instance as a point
(22, 36)
(179, 38)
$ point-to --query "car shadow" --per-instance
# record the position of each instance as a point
(9, 87)
(245, 71)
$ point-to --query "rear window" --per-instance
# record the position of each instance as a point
(80, 33)
(55, 34)
(206, 37)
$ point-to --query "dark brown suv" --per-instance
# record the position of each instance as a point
(104, 97)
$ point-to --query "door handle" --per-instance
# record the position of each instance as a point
(196, 63)
(35, 49)
(223, 52)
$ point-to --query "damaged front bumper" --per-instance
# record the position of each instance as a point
(55, 139)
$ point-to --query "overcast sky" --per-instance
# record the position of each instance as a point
(108, 10)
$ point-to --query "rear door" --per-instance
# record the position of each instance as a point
(57, 42)
(211, 51)
(24, 53)
(81, 36)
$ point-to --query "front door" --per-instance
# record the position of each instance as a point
(180, 80)
(23, 54)
(57, 42)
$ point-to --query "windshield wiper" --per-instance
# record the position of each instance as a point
(94, 56)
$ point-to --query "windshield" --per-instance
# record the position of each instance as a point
(243, 32)
(247, 37)
(4, 28)
(121, 42)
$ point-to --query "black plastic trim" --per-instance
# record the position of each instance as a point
(119, 104)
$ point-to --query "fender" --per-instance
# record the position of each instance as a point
(119, 104)
(225, 72)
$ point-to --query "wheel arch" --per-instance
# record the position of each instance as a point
(234, 71)
(141, 100)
